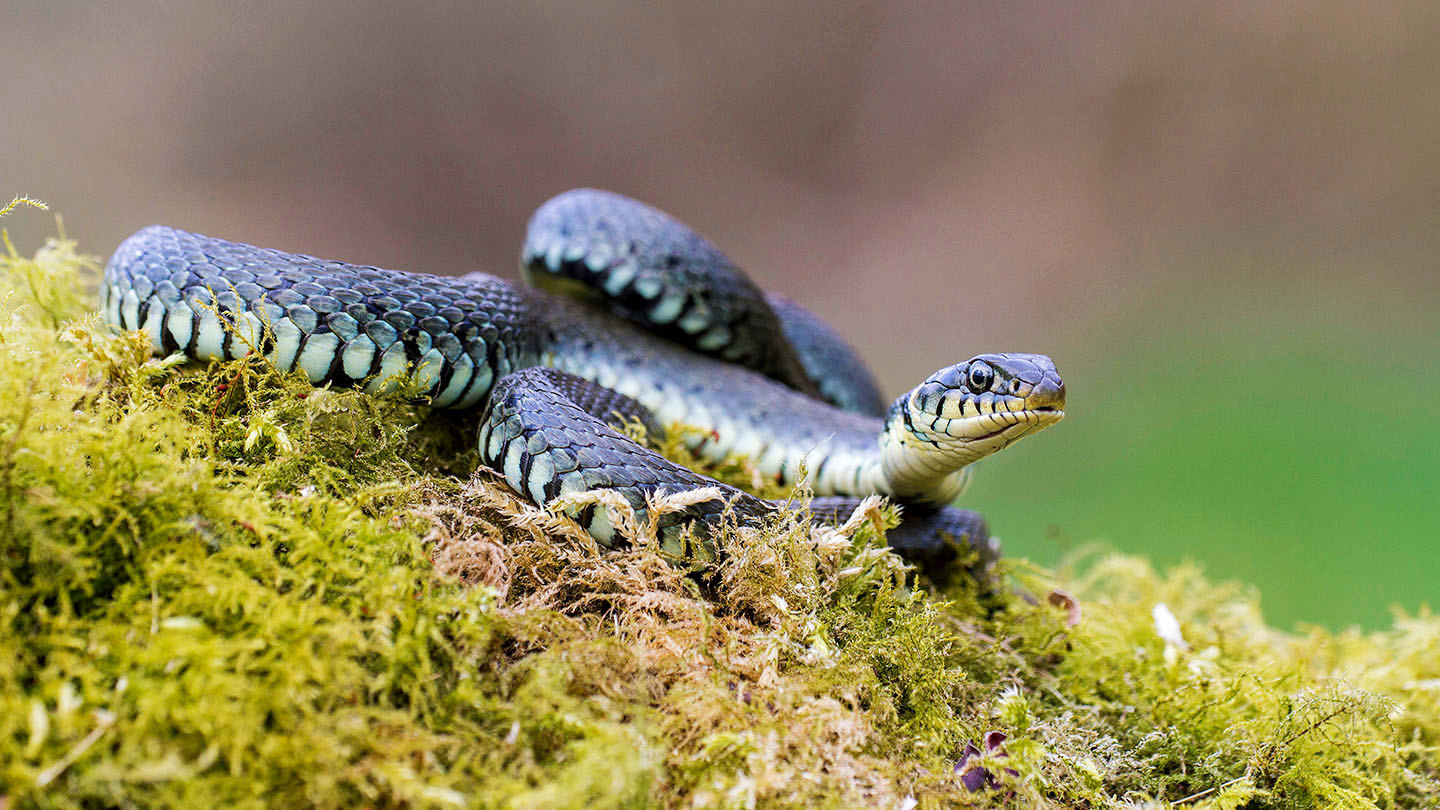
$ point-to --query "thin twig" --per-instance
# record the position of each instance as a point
(106, 721)
(1193, 796)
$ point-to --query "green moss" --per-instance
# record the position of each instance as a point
(221, 587)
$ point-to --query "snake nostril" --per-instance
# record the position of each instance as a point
(1015, 387)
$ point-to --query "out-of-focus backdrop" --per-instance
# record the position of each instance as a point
(1219, 217)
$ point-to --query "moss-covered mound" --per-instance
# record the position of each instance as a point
(222, 588)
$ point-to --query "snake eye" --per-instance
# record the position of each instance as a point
(980, 377)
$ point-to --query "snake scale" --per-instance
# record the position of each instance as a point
(632, 314)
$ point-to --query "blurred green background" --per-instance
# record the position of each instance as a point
(1280, 432)
(1219, 217)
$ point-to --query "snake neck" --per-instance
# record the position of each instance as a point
(914, 468)
(920, 474)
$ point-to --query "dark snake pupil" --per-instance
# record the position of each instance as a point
(980, 378)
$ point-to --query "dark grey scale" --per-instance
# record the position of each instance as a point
(654, 270)
(420, 309)
(325, 304)
(286, 297)
(237, 276)
(381, 332)
(339, 287)
(166, 291)
(305, 318)
(449, 345)
(142, 286)
(249, 290)
(400, 319)
(435, 325)
(360, 312)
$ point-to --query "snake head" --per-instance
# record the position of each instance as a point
(966, 399)
(963, 413)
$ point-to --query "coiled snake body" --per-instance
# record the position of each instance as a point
(673, 333)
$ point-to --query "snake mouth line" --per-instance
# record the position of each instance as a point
(1024, 416)
(1042, 417)
(1006, 425)
(1038, 417)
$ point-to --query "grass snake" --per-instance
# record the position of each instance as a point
(631, 314)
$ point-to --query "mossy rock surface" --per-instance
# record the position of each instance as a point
(220, 587)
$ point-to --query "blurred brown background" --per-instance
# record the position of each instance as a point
(1219, 217)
